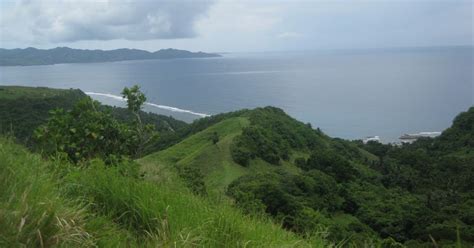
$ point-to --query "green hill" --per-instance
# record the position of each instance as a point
(48, 204)
(216, 162)
(255, 178)
(197, 151)
(305, 179)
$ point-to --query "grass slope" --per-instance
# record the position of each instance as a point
(213, 160)
(53, 204)
(32, 213)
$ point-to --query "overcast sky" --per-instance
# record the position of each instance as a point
(235, 26)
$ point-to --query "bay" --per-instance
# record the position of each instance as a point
(348, 94)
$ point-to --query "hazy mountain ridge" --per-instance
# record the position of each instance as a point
(61, 55)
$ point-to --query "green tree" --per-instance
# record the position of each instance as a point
(84, 133)
(143, 133)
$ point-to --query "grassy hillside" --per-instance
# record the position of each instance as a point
(54, 204)
(215, 161)
(305, 179)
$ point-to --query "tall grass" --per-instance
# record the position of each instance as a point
(32, 214)
(99, 206)
(172, 216)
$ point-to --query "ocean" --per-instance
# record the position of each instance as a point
(348, 94)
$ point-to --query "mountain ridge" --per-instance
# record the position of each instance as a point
(61, 55)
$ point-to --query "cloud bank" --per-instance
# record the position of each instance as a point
(70, 20)
(235, 25)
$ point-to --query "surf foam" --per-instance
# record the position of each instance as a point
(169, 108)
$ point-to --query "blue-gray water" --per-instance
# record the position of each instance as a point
(347, 94)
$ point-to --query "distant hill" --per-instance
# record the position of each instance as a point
(61, 55)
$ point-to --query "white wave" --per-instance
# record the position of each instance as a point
(169, 108)
(106, 95)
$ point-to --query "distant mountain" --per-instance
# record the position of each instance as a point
(61, 55)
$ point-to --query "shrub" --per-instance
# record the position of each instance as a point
(84, 133)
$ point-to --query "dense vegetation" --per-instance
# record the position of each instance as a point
(23, 109)
(246, 178)
(61, 55)
(271, 137)
(415, 194)
(439, 172)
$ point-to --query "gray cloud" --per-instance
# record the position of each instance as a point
(69, 21)
(233, 25)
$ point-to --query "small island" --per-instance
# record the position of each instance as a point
(64, 55)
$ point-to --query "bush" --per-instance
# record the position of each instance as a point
(257, 142)
(331, 163)
(193, 178)
(84, 133)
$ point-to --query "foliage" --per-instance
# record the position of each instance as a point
(402, 193)
(135, 98)
(162, 123)
(23, 109)
(331, 163)
(84, 133)
(193, 178)
(271, 136)
(439, 174)
(302, 203)
(459, 136)
(142, 133)
(214, 138)
(255, 142)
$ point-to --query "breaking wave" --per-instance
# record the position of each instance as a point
(169, 108)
